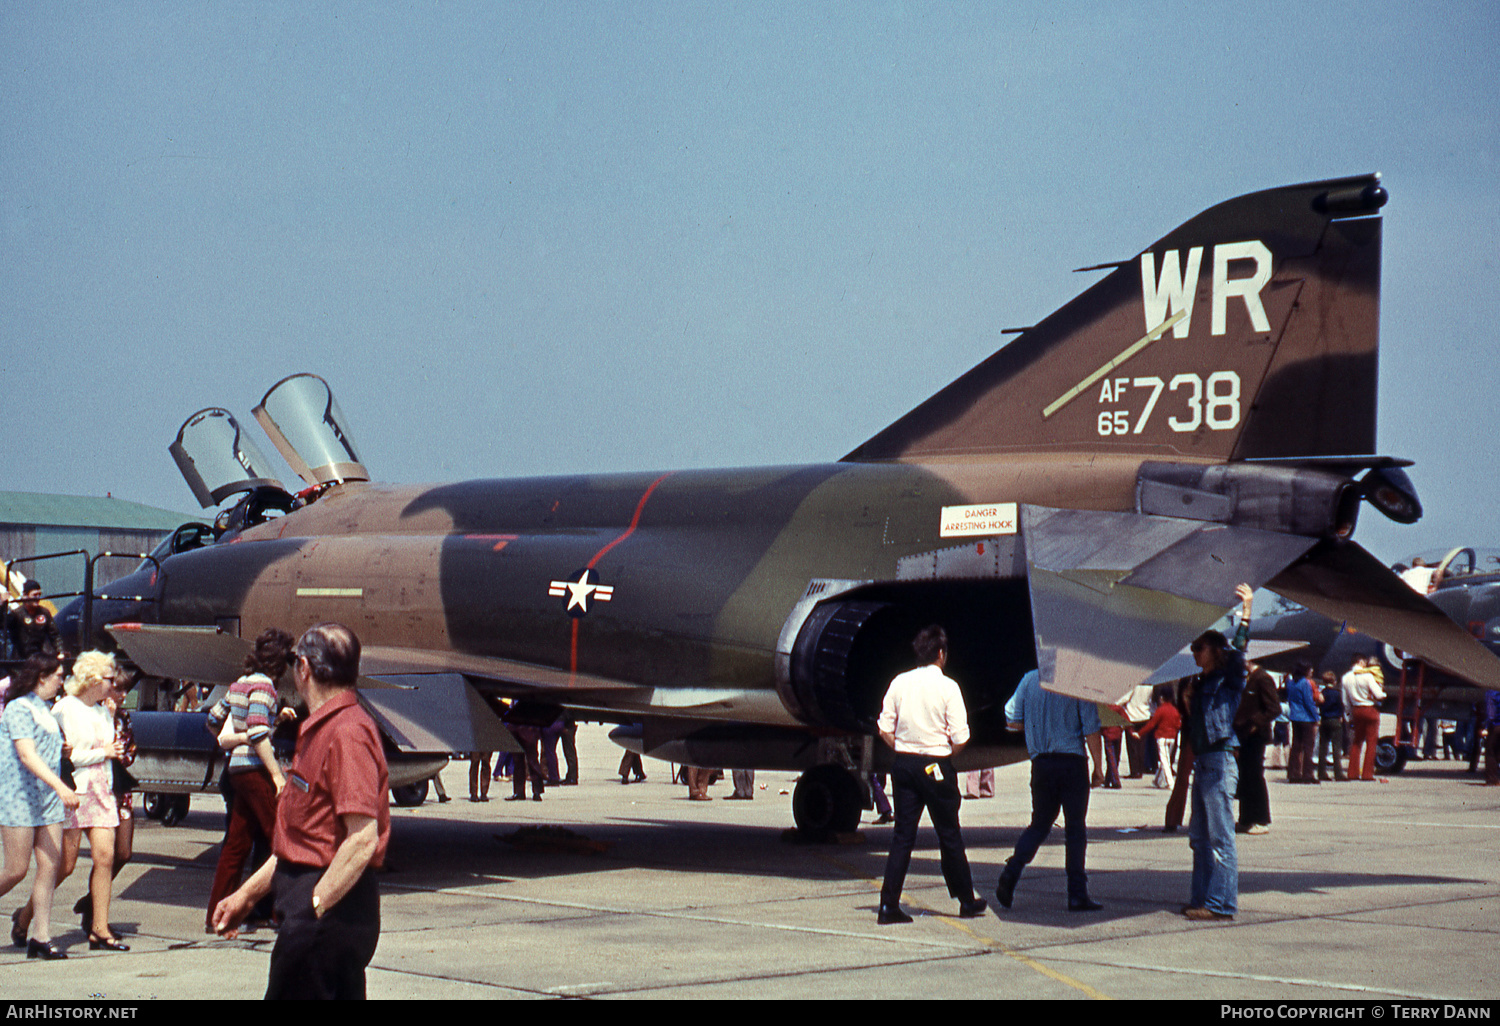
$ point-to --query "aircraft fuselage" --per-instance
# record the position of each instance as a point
(604, 585)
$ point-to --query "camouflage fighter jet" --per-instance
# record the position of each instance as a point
(1085, 501)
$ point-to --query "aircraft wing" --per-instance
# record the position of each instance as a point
(1115, 595)
(205, 655)
(419, 712)
(389, 662)
(579, 691)
(446, 707)
(1346, 583)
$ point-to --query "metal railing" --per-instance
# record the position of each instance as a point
(88, 594)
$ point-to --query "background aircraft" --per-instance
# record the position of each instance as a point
(1084, 501)
(1467, 591)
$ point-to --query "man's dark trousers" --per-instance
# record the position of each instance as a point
(1059, 783)
(914, 789)
(1255, 797)
(322, 959)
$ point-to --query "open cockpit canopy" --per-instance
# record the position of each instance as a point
(218, 459)
(307, 427)
(299, 414)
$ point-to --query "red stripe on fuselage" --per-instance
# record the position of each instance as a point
(635, 522)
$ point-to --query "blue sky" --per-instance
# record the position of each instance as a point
(533, 238)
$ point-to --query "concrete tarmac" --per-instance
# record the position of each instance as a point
(1361, 892)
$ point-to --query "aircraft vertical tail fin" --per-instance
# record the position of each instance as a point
(1249, 332)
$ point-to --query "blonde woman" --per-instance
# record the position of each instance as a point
(89, 727)
(119, 691)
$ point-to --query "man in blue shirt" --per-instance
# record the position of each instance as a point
(1331, 728)
(1303, 699)
(1057, 730)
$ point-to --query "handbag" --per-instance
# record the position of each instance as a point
(124, 781)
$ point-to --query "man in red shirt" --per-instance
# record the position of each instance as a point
(1163, 726)
(333, 824)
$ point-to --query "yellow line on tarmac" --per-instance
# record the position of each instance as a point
(989, 942)
(1029, 962)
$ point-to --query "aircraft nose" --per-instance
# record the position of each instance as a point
(69, 618)
(130, 599)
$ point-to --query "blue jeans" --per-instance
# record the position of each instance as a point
(1216, 869)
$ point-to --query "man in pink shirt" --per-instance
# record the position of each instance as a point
(924, 720)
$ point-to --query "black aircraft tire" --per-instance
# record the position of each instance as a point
(176, 808)
(826, 800)
(156, 804)
(410, 795)
(1390, 757)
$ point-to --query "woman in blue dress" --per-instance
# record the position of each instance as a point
(32, 795)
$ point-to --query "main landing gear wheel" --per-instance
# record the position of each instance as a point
(171, 809)
(1390, 758)
(826, 801)
(410, 795)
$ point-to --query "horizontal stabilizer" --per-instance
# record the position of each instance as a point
(1346, 583)
(1115, 595)
(204, 655)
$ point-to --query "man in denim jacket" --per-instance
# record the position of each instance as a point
(1213, 698)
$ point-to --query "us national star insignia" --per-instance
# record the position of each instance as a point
(580, 591)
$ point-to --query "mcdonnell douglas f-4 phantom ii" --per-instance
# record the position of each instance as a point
(1084, 501)
(1466, 586)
